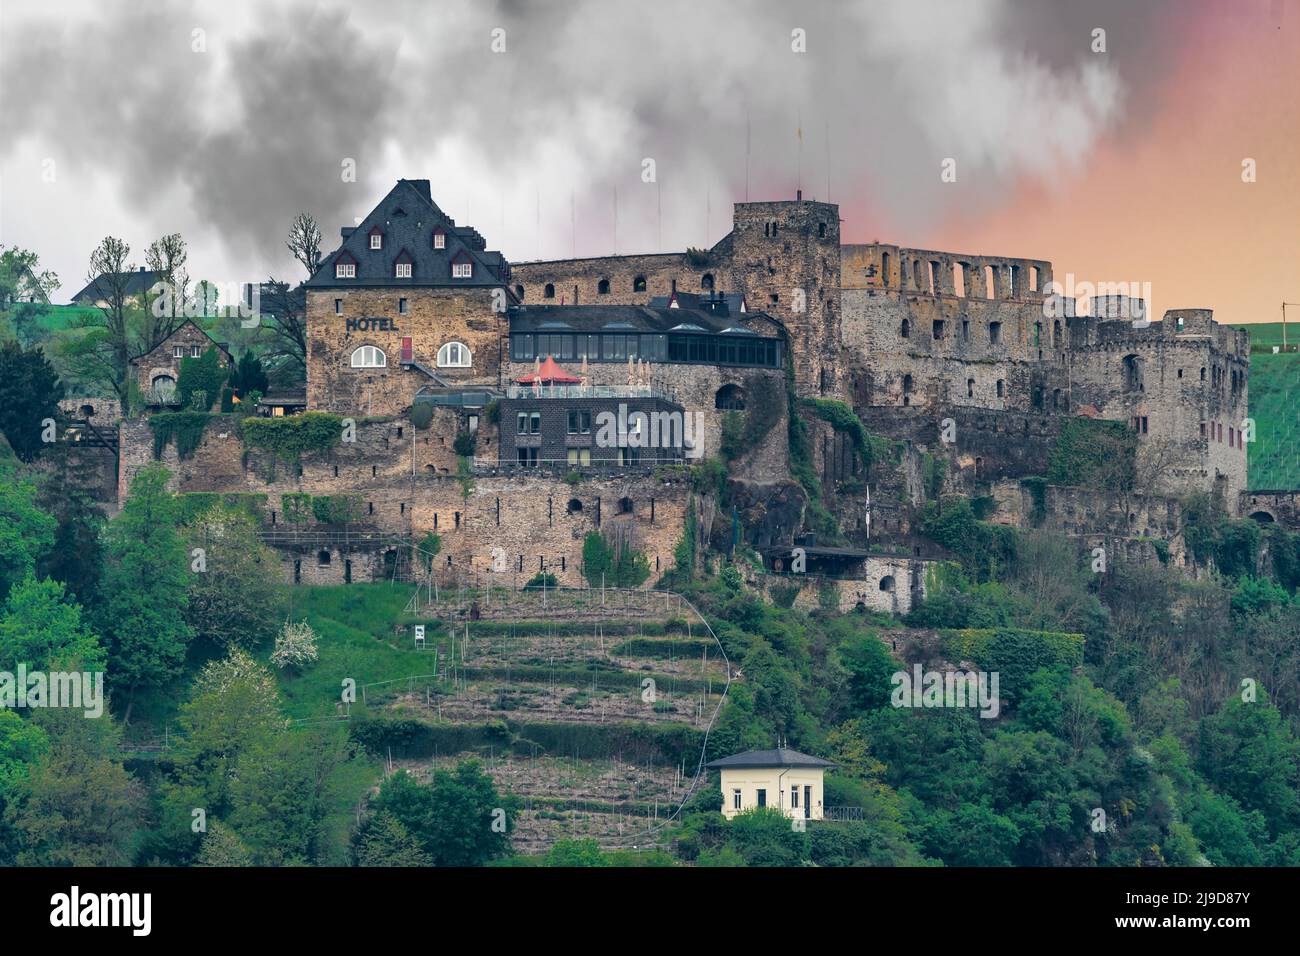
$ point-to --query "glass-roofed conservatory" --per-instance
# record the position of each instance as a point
(683, 341)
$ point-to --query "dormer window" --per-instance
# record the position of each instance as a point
(345, 270)
(402, 267)
(376, 238)
(462, 267)
(439, 238)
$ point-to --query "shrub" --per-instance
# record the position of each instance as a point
(291, 437)
(201, 378)
(295, 645)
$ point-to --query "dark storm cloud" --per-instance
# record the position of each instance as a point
(254, 130)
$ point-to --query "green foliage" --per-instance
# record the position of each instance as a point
(542, 580)
(1094, 453)
(248, 376)
(146, 579)
(43, 631)
(29, 398)
(185, 427)
(604, 565)
(204, 374)
(1014, 653)
(422, 415)
(26, 532)
(933, 472)
(458, 819)
(1037, 488)
(1233, 545)
(464, 444)
(429, 548)
(982, 548)
(293, 436)
(465, 478)
(584, 852)
(295, 507)
(336, 509)
(235, 599)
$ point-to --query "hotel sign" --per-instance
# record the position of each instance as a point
(371, 325)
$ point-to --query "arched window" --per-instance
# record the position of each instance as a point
(887, 583)
(602, 287)
(638, 284)
(905, 330)
(322, 558)
(368, 356)
(454, 355)
(1001, 388)
(706, 282)
(730, 398)
(164, 388)
(574, 506)
(519, 293)
(549, 291)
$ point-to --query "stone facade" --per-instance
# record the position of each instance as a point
(158, 371)
(410, 327)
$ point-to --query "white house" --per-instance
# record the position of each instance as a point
(783, 779)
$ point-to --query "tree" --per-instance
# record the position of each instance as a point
(29, 399)
(278, 795)
(77, 805)
(204, 375)
(106, 352)
(26, 532)
(304, 242)
(166, 257)
(41, 629)
(146, 581)
(570, 853)
(295, 645)
(248, 376)
(382, 840)
(223, 847)
(457, 820)
(22, 745)
(289, 326)
(234, 597)
(25, 291)
(763, 836)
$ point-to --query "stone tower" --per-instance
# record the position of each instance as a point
(785, 256)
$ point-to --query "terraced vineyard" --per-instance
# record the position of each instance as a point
(591, 709)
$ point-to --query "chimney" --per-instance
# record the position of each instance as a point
(142, 268)
(798, 195)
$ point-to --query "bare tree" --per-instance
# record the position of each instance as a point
(108, 353)
(288, 325)
(166, 257)
(304, 242)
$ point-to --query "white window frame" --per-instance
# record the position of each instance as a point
(196, 351)
(735, 799)
(345, 270)
(440, 240)
(376, 240)
(402, 270)
(462, 270)
(374, 358)
(178, 351)
(465, 356)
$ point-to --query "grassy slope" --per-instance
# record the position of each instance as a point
(1274, 393)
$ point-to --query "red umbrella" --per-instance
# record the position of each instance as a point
(550, 373)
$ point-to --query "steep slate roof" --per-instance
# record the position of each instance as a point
(636, 318)
(137, 283)
(407, 217)
(781, 757)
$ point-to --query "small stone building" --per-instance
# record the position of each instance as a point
(158, 371)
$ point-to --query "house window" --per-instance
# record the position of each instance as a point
(376, 240)
(905, 330)
(368, 356)
(345, 270)
(735, 799)
(579, 422)
(995, 333)
(794, 797)
(439, 239)
(579, 456)
(638, 284)
(454, 355)
(178, 351)
(1001, 388)
(462, 270)
(530, 423)
(196, 351)
(602, 287)
(401, 306)
(527, 457)
(762, 797)
(338, 306)
(548, 291)
(403, 270)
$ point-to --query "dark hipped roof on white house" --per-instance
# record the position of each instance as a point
(136, 283)
(408, 217)
(780, 757)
